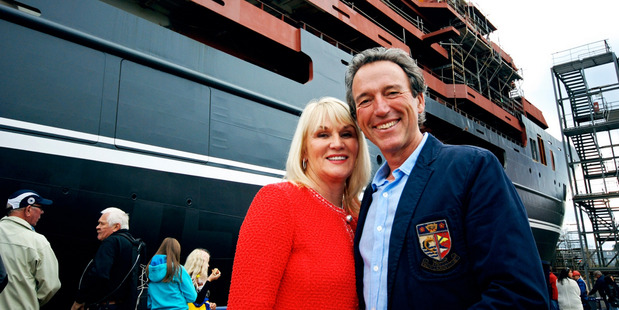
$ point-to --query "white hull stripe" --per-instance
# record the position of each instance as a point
(27, 126)
(76, 135)
(194, 156)
(72, 149)
(127, 158)
(544, 226)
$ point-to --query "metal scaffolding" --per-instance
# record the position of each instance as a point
(586, 86)
(569, 251)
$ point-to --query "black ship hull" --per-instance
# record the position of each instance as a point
(102, 108)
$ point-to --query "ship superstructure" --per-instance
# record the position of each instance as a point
(179, 111)
(463, 68)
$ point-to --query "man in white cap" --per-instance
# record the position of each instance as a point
(31, 265)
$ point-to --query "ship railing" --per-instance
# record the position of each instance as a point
(415, 21)
(429, 70)
(285, 18)
(472, 118)
(328, 39)
(609, 110)
(454, 108)
(508, 104)
(401, 37)
(581, 52)
(275, 12)
(467, 11)
(457, 73)
(480, 22)
(458, 5)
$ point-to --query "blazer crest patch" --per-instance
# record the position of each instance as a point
(434, 239)
(435, 242)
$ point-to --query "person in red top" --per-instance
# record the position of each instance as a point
(554, 298)
(295, 247)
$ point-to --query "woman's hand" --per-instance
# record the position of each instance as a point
(215, 274)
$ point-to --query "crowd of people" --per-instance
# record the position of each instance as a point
(437, 226)
(569, 291)
(29, 269)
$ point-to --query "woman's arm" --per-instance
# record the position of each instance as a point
(262, 252)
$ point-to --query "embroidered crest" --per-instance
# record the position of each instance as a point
(434, 239)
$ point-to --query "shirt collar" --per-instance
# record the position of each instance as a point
(383, 172)
(19, 220)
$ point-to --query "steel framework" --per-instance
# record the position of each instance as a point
(586, 87)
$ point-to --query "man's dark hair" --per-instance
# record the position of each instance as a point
(395, 55)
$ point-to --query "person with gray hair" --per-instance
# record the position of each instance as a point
(114, 216)
(103, 283)
(430, 232)
(600, 286)
(31, 265)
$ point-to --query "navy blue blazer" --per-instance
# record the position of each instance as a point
(460, 238)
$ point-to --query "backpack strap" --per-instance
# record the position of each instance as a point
(135, 257)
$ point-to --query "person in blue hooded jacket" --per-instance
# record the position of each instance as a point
(169, 285)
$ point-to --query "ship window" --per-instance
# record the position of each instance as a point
(542, 150)
(533, 149)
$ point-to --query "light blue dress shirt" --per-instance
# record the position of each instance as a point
(374, 243)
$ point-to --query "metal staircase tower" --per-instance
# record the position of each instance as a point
(589, 118)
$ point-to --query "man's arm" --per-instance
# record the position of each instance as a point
(596, 287)
(95, 281)
(503, 253)
(4, 279)
(46, 275)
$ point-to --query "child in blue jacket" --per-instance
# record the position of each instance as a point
(169, 286)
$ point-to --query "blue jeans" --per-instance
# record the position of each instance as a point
(554, 305)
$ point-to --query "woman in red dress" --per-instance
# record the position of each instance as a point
(295, 248)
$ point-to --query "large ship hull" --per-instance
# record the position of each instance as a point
(101, 108)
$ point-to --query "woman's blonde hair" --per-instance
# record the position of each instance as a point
(316, 113)
(197, 265)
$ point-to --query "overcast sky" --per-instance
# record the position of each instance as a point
(532, 31)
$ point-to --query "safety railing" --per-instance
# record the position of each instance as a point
(581, 52)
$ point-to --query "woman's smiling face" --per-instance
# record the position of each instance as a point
(331, 152)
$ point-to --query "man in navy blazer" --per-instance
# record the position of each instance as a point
(440, 226)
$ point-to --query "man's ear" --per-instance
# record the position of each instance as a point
(116, 227)
(422, 102)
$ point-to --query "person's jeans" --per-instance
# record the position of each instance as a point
(554, 305)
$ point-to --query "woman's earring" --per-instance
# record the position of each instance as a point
(304, 163)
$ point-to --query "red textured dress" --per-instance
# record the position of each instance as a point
(295, 251)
